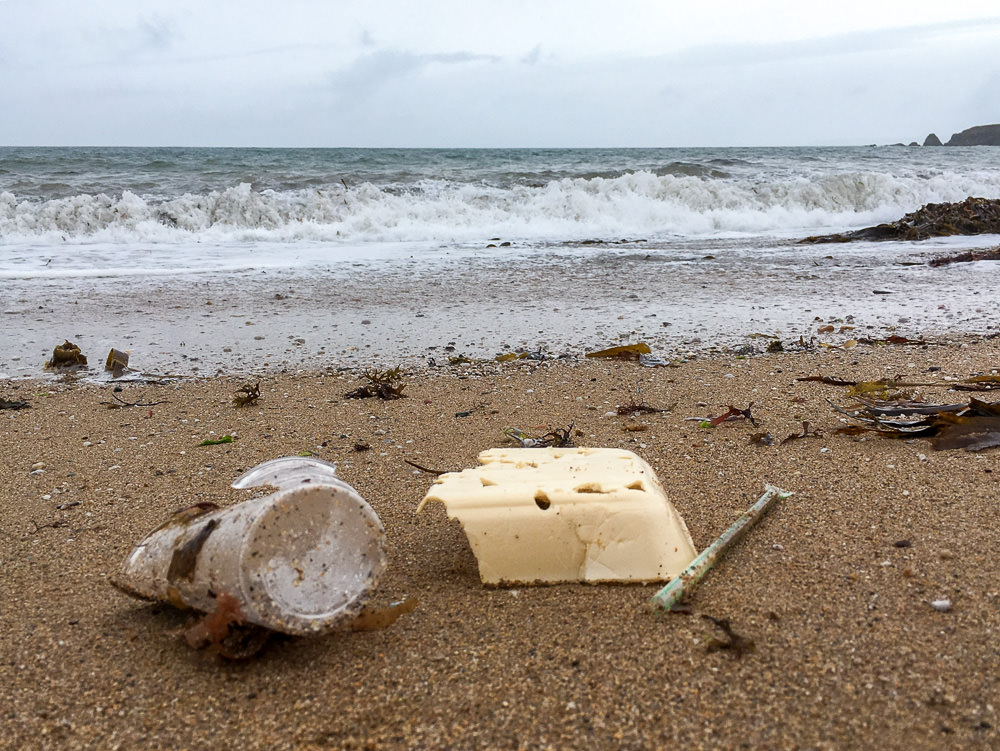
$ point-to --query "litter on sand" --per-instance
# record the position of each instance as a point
(301, 560)
(685, 583)
(564, 515)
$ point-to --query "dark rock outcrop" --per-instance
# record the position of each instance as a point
(973, 216)
(932, 140)
(981, 135)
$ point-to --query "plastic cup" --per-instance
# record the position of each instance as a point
(302, 560)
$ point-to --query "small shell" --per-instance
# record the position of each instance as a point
(942, 606)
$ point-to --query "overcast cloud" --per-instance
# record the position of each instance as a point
(468, 73)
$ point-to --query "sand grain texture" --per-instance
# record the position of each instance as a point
(848, 651)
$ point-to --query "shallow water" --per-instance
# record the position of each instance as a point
(249, 259)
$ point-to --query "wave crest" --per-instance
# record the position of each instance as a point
(660, 203)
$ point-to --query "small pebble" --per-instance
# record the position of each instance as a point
(942, 606)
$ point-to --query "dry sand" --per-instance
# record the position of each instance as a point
(849, 652)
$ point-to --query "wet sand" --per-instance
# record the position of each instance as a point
(834, 586)
(680, 299)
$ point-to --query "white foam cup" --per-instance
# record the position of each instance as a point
(302, 560)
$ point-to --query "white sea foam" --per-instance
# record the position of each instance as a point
(634, 204)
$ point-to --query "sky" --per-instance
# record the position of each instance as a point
(517, 73)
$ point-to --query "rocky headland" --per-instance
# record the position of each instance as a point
(980, 135)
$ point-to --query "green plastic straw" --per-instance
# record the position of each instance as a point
(689, 578)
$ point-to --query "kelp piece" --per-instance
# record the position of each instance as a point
(246, 395)
(66, 355)
(830, 380)
(217, 441)
(385, 384)
(968, 256)
(624, 352)
(225, 631)
(736, 644)
(376, 619)
(976, 429)
(862, 388)
(892, 339)
(978, 383)
(733, 414)
(563, 515)
(558, 438)
(974, 426)
(634, 407)
(806, 433)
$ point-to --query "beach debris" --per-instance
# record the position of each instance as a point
(761, 439)
(974, 426)
(13, 404)
(806, 433)
(978, 383)
(968, 256)
(301, 560)
(973, 216)
(246, 395)
(975, 429)
(217, 441)
(733, 414)
(623, 352)
(558, 438)
(830, 380)
(776, 346)
(867, 388)
(226, 632)
(942, 606)
(376, 619)
(55, 524)
(384, 384)
(66, 355)
(682, 585)
(118, 403)
(565, 515)
(654, 361)
(634, 407)
(424, 469)
(736, 644)
(893, 339)
(116, 362)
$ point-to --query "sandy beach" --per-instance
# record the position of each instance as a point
(834, 587)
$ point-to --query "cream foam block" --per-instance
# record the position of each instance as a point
(569, 514)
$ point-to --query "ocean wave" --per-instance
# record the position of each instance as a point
(677, 200)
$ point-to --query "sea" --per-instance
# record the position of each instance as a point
(81, 222)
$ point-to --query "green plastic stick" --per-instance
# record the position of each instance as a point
(689, 578)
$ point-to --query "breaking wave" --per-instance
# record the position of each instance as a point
(673, 201)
